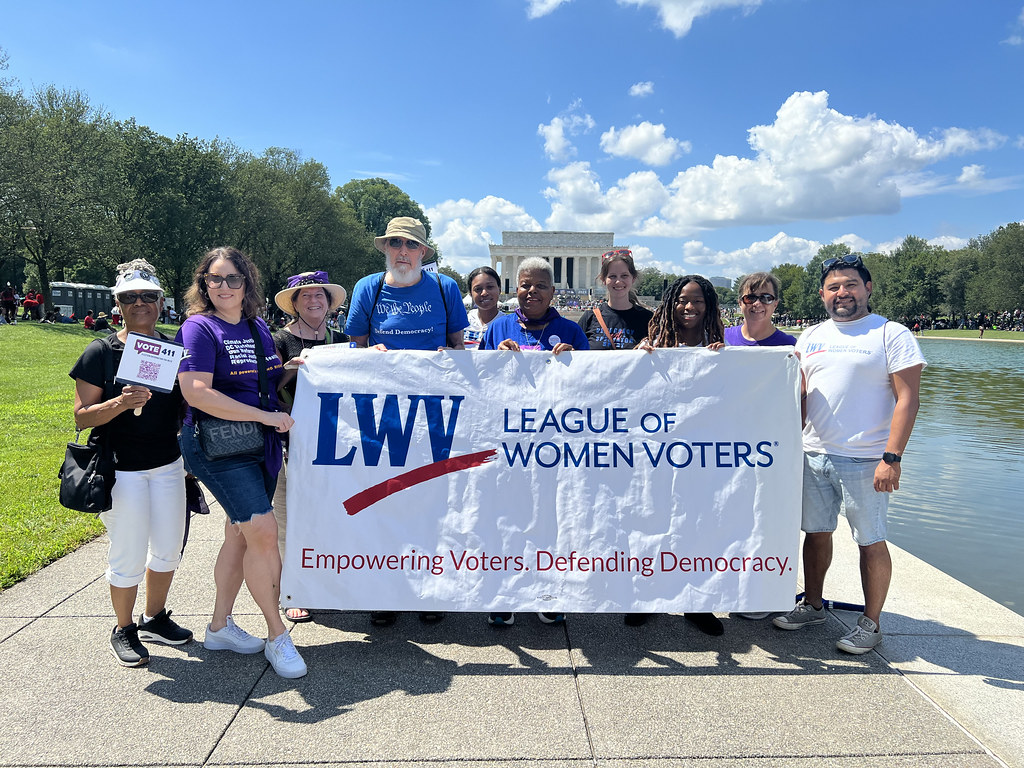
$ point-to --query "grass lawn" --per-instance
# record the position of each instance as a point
(36, 402)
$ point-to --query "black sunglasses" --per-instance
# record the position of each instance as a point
(752, 298)
(851, 260)
(148, 297)
(398, 242)
(215, 281)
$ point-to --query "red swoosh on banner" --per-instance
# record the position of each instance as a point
(375, 493)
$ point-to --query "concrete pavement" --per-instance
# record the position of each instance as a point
(944, 689)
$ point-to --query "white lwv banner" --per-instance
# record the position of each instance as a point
(522, 481)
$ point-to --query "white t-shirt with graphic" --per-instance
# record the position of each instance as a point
(849, 396)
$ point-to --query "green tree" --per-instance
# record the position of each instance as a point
(793, 293)
(377, 201)
(56, 185)
(446, 270)
(999, 285)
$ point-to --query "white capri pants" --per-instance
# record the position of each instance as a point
(146, 523)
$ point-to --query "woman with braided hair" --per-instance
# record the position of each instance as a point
(688, 316)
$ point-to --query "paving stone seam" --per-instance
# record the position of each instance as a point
(579, 693)
(906, 679)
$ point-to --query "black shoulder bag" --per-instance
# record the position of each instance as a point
(87, 474)
(222, 438)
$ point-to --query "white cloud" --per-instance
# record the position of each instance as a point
(812, 162)
(577, 201)
(857, 243)
(641, 89)
(971, 176)
(762, 255)
(677, 16)
(557, 145)
(949, 242)
(645, 142)
(537, 8)
(463, 229)
(1019, 143)
(1016, 37)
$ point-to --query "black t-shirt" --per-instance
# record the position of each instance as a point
(627, 327)
(288, 345)
(148, 440)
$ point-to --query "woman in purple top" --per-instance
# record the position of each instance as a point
(220, 378)
(759, 297)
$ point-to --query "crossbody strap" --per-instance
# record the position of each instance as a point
(604, 326)
(261, 366)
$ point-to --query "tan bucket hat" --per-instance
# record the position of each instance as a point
(407, 227)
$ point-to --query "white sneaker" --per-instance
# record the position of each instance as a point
(231, 638)
(283, 656)
(862, 638)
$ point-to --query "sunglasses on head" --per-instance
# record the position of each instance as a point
(148, 297)
(616, 254)
(398, 242)
(852, 260)
(752, 298)
(216, 281)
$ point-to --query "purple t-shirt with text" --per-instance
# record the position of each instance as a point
(734, 338)
(229, 353)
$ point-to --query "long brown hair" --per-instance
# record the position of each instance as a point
(626, 257)
(662, 329)
(197, 298)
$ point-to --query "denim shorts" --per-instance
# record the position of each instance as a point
(831, 482)
(241, 484)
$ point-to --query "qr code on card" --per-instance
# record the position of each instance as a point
(149, 371)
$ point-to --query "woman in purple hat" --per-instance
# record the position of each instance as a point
(309, 298)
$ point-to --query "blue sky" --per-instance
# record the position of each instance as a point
(711, 136)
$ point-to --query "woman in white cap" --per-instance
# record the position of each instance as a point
(309, 298)
(405, 307)
(146, 521)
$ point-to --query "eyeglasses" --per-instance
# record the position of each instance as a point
(851, 260)
(216, 281)
(616, 254)
(148, 297)
(398, 242)
(752, 298)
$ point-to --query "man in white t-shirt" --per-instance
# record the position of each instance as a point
(861, 386)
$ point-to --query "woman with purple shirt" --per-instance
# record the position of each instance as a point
(220, 378)
(759, 297)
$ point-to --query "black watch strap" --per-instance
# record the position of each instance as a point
(890, 458)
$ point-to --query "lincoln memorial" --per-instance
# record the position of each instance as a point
(574, 256)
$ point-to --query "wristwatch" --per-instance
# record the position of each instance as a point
(891, 458)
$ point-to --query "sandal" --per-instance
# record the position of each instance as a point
(297, 615)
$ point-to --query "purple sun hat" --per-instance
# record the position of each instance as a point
(336, 295)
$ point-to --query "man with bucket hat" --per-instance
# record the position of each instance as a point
(406, 308)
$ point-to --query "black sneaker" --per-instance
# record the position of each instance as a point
(163, 629)
(125, 645)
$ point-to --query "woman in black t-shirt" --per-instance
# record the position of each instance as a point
(146, 522)
(625, 319)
